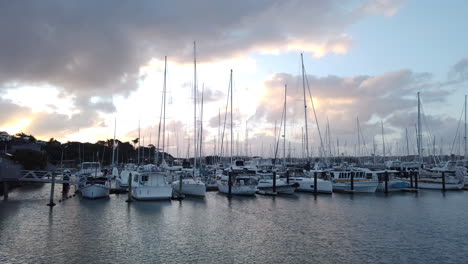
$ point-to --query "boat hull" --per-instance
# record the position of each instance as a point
(237, 189)
(422, 184)
(393, 186)
(94, 191)
(307, 185)
(152, 193)
(190, 188)
(359, 187)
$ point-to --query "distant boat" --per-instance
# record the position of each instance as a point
(241, 185)
(93, 183)
(361, 183)
(265, 183)
(150, 185)
(393, 184)
(432, 178)
(306, 182)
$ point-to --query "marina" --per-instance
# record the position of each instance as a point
(337, 228)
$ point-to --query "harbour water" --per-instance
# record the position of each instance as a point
(424, 227)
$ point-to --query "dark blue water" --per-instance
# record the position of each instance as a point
(428, 227)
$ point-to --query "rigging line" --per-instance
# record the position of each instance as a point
(225, 118)
(457, 132)
(315, 115)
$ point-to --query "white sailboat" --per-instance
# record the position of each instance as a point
(93, 183)
(454, 177)
(150, 185)
(192, 185)
(306, 181)
(353, 180)
(238, 184)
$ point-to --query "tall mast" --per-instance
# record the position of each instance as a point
(358, 153)
(284, 130)
(201, 122)
(138, 162)
(164, 108)
(232, 135)
(383, 141)
(305, 110)
(419, 131)
(466, 148)
(194, 108)
(113, 142)
(407, 142)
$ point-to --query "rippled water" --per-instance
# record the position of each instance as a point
(428, 227)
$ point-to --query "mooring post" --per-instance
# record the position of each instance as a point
(229, 183)
(416, 179)
(315, 182)
(5, 190)
(129, 193)
(274, 181)
(287, 176)
(52, 188)
(352, 181)
(443, 181)
(386, 181)
(411, 178)
(65, 185)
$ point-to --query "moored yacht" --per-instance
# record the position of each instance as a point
(306, 182)
(353, 180)
(95, 187)
(241, 184)
(150, 185)
(265, 183)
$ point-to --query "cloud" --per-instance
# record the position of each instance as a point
(99, 47)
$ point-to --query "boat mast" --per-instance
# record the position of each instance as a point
(419, 131)
(407, 142)
(194, 108)
(284, 130)
(305, 110)
(466, 148)
(201, 124)
(232, 135)
(164, 109)
(138, 162)
(113, 142)
(358, 152)
(383, 142)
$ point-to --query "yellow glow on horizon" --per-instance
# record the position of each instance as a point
(16, 126)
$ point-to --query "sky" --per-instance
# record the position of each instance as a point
(74, 70)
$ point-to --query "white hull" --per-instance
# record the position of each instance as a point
(359, 186)
(422, 184)
(281, 186)
(393, 186)
(95, 191)
(121, 185)
(150, 193)
(307, 185)
(190, 187)
(237, 189)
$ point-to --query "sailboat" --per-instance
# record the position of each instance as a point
(268, 179)
(432, 178)
(236, 183)
(192, 185)
(93, 183)
(306, 182)
(150, 182)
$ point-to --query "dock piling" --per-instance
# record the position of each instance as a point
(5, 190)
(443, 181)
(230, 183)
(416, 180)
(315, 183)
(386, 181)
(129, 193)
(52, 188)
(352, 181)
(274, 181)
